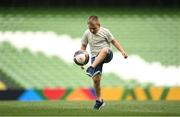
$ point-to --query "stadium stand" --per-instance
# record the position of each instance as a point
(38, 71)
(144, 32)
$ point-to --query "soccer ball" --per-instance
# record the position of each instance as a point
(81, 57)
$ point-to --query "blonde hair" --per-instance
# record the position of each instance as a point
(93, 20)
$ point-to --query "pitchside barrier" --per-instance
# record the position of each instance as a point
(87, 94)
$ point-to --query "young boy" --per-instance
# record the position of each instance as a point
(100, 40)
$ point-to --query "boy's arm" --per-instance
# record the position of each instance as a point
(119, 47)
(83, 47)
(84, 43)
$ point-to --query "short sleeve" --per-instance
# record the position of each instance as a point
(84, 40)
(110, 37)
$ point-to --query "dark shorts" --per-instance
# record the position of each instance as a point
(108, 58)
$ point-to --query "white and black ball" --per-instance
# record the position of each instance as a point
(81, 57)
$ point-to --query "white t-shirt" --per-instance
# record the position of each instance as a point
(97, 41)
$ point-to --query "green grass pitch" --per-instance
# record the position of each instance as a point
(76, 108)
